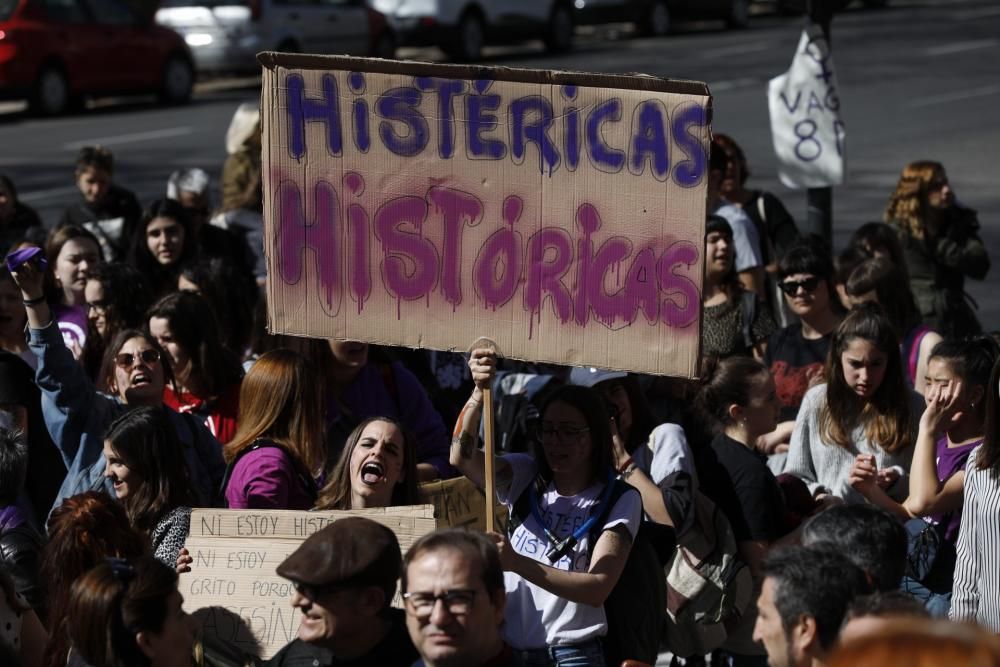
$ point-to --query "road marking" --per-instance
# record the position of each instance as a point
(960, 47)
(129, 138)
(38, 195)
(730, 84)
(982, 12)
(736, 50)
(982, 91)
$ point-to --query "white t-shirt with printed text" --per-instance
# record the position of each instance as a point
(536, 618)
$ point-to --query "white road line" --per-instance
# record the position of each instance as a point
(730, 84)
(736, 50)
(956, 96)
(980, 13)
(38, 195)
(130, 138)
(960, 47)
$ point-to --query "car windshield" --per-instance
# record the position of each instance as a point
(199, 3)
(7, 8)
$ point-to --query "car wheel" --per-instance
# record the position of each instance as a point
(656, 22)
(469, 39)
(559, 36)
(50, 96)
(385, 46)
(739, 14)
(178, 80)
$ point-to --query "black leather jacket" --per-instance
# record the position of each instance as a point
(20, 555)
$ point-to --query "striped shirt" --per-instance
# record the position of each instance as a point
(976, 595)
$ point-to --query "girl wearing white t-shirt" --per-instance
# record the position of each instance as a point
(556, 583)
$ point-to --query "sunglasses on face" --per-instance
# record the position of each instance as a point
(127, 359)
(791, 287)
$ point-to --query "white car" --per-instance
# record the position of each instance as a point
(226, 35)
(462, 27)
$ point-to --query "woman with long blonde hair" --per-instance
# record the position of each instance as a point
(279, 445)
(941, 243)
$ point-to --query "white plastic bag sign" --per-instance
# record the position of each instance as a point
(805, 117)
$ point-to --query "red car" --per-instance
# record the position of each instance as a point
(57, 52)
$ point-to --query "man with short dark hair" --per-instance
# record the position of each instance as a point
(869, 536)
(454, 595)
(802, 604)
(345, 579)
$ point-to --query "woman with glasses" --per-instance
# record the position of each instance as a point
(207, 374)
(941, 243)
(734, 320)
(129, 613)
(279, 449)
(116, 299)
(797, 353)
(863, 407)
(556, 580)
(77, 415)
(880, 281)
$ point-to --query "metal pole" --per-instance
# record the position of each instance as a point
(819, 201)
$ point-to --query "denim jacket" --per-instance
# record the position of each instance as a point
(77, 417)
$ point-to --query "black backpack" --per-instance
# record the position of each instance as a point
(636, 607)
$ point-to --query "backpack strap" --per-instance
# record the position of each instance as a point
(748, 307)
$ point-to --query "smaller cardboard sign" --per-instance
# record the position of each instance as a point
(460, 503)
(809, 135)
(233, 590)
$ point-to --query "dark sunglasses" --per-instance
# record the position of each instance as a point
(126, 359)
(791, 287)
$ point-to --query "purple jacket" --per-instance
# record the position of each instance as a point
(268, 479)
(371, 395)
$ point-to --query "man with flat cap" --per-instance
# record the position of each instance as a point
(345, 578)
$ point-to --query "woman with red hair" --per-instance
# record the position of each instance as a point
(941, 243)
(83, 531)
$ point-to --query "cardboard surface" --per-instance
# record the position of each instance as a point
(459, 503)
(561, 214)
(232, 589)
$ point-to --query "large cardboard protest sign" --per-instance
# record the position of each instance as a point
(233, 590)
(424, 205)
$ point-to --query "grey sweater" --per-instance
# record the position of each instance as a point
(826, 467)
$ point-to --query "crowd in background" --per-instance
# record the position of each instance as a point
(841, 449)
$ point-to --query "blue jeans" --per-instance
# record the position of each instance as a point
(938, 604)
(587, 654)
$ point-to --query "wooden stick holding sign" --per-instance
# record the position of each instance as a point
(489, 487)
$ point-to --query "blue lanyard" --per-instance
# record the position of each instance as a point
(562, 547)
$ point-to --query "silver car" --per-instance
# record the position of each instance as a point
(225, 35)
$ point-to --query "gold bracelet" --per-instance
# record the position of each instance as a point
(629, 469)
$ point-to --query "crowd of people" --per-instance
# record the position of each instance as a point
(825, 493)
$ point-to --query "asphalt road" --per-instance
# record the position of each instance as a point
(918, 80)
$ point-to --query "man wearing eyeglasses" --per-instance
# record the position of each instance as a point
(345, 579)
(454, 596)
